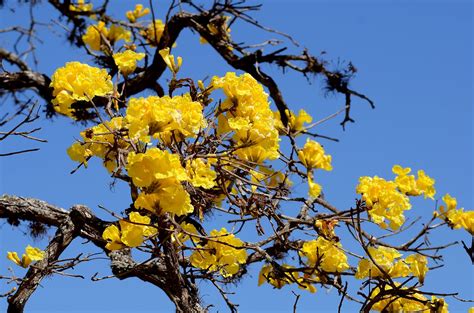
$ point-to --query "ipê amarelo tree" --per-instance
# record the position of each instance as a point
(188, 149)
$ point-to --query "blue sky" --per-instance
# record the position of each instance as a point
(415, 62)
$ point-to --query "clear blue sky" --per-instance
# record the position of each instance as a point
(415, 62)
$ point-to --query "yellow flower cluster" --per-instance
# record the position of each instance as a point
(160, 174)
(325, 254)
(279, 278)
(153, 32)
(415, 302)
(164, 118)
(313, 157)
(100, 141)
(246, 112)
(31, 254)
(410, 186)
(127, 61)
(384, 201)
(138, 12)
(80, 6)
(457, 218)
(78, 82)
(200, 173)
(132, 232)
(295, 122)
(169, 60)
(389, 199)
(95, 35)
(389, 261)
(220, 253)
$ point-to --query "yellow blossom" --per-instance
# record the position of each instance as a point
(178, 117)
(456, 218)
(78, 82)
(80, 6)
(200, 173)
(328, 255)
(96, 34)
(100, 141)
(313, 156)
(295, 122)
(131, 233)
(418, 266)
(169, 60)
(396, 303)
(153, 32)
(389, 261)
(31, 254)
(138, 12)
(168, 196)
(383, 200)
(314, 188)
(246, 113)
(127, 61)
(155, 164)
(221, 253)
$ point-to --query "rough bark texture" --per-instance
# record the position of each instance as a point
(161, 271)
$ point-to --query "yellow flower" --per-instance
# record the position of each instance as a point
(131, 232)
(314, 188)
(127, 61)
(418, 266)
(178, 117)
(328, 255)
(100, 141)
(168, 196)
(295, 122)
(138, 12)
(387, 260)
(246, 112)
(200, 174)
(220, 253)
(95, 35)
(78, 82)
(438, 305)
(153, 32)
(383, 200)
(79, 153)
(456, 218)
(425, 184)
(396, 303)
(169, 60)
(313, 156)
(155, 164)
(31, 254)
(80, 6)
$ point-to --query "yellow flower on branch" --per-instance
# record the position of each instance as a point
(169, 60)
(325, 254)
(78, 82)
(132, 232)
(220, 253)
(138, 12)
(313, 156)
(31, 254)
(80, 6)
(153, 32)
(127, 61)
